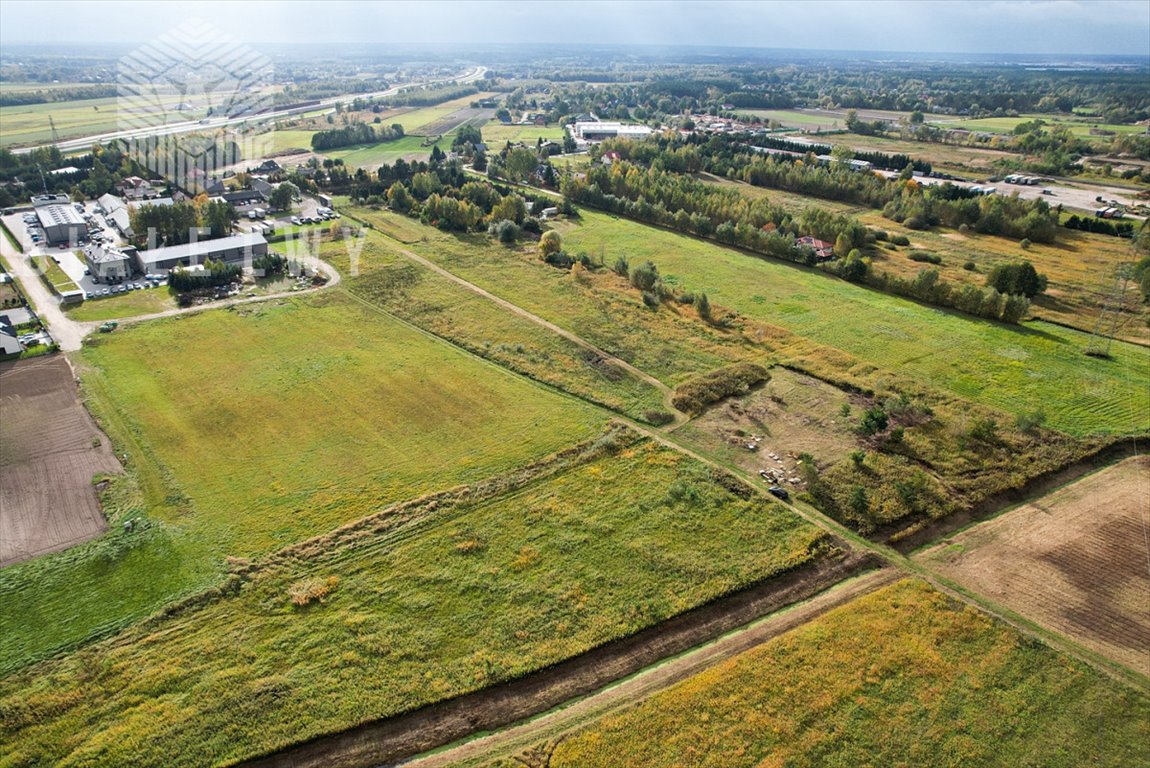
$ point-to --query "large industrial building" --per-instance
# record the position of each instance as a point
(597, 131)
(61, 222)
(234, 249)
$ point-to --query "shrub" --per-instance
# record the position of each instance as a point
(550, 243)
(970, 266)
(695, 394)
(622, 267)
(507, 231)
(900, 240)
(658, 418)
(1017, 279)
(703, 306)
(923, 256)
(874, 420)
(644, 276)
(651, 300)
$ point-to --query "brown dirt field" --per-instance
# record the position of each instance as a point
(792, 414)
(47, 461)
(1076, 561)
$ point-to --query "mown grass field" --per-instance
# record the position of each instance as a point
(670, 345)
(903, 676)
(1080, 266)
(409, 290)
(496, 134)
(1014, 369)
(1079, 126)
(28, 124)
(249, 429)
(375, 155)
(431, 602)
(130, 304)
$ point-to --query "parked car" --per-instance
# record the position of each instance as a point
(779, 493)
(295, 220)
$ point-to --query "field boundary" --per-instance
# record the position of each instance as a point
(936, 530)
(403, 736)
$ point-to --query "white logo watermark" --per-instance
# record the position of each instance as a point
(193, 102)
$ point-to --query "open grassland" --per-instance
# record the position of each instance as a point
(903, 676)
(496, 134)
(1074, 561)
(28, 124)
(390, 280)
(129, 304)
(1080, 266)
(375, 155)
(669, 345)
(424, 602)
(1014, 369)
(419, 120)
(249, 429)
(1078, 126)
(288, 138)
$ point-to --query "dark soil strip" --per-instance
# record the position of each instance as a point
(396, 738)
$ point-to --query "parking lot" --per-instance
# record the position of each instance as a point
(71, 261)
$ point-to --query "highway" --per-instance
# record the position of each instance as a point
(189, 126)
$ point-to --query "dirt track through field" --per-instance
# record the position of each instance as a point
(1076, 561)
(407, 735)
(49, 451)
(507, 743)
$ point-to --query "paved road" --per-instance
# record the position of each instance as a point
(190, 126)
(67, 332)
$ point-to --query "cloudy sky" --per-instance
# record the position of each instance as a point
(966, 26)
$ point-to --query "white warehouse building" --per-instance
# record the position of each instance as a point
(597, 131)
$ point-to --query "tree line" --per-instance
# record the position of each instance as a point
(355, 133)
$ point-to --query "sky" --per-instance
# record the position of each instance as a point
(942, 26)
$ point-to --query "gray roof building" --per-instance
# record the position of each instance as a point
(234, 249)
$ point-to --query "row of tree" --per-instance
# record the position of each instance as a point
(161, 225)
(355, 133)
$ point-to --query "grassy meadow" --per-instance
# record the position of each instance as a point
(251, 428)
(671, 346)
(1014, 369)
(390, 280)
(129, 304)
(903, 676)
(426, 602)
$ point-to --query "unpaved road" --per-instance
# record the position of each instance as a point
(508, 742)
(521, 312)
(407, 735)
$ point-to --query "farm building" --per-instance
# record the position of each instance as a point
(234, 249)
(109, 264)
(61, 222)
(597, 131)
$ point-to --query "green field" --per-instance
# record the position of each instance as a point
(394, 282)
(375, 155)
(903, 676)
(1078, 126)
(1011, 368)
(426, 603)
(129, 304)
(248, 429)
(28, 124)
(670, 345)
(496, 134)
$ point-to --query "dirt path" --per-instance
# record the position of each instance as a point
(523, 313)
(391, 739)
(513, 740)
(333, 279)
